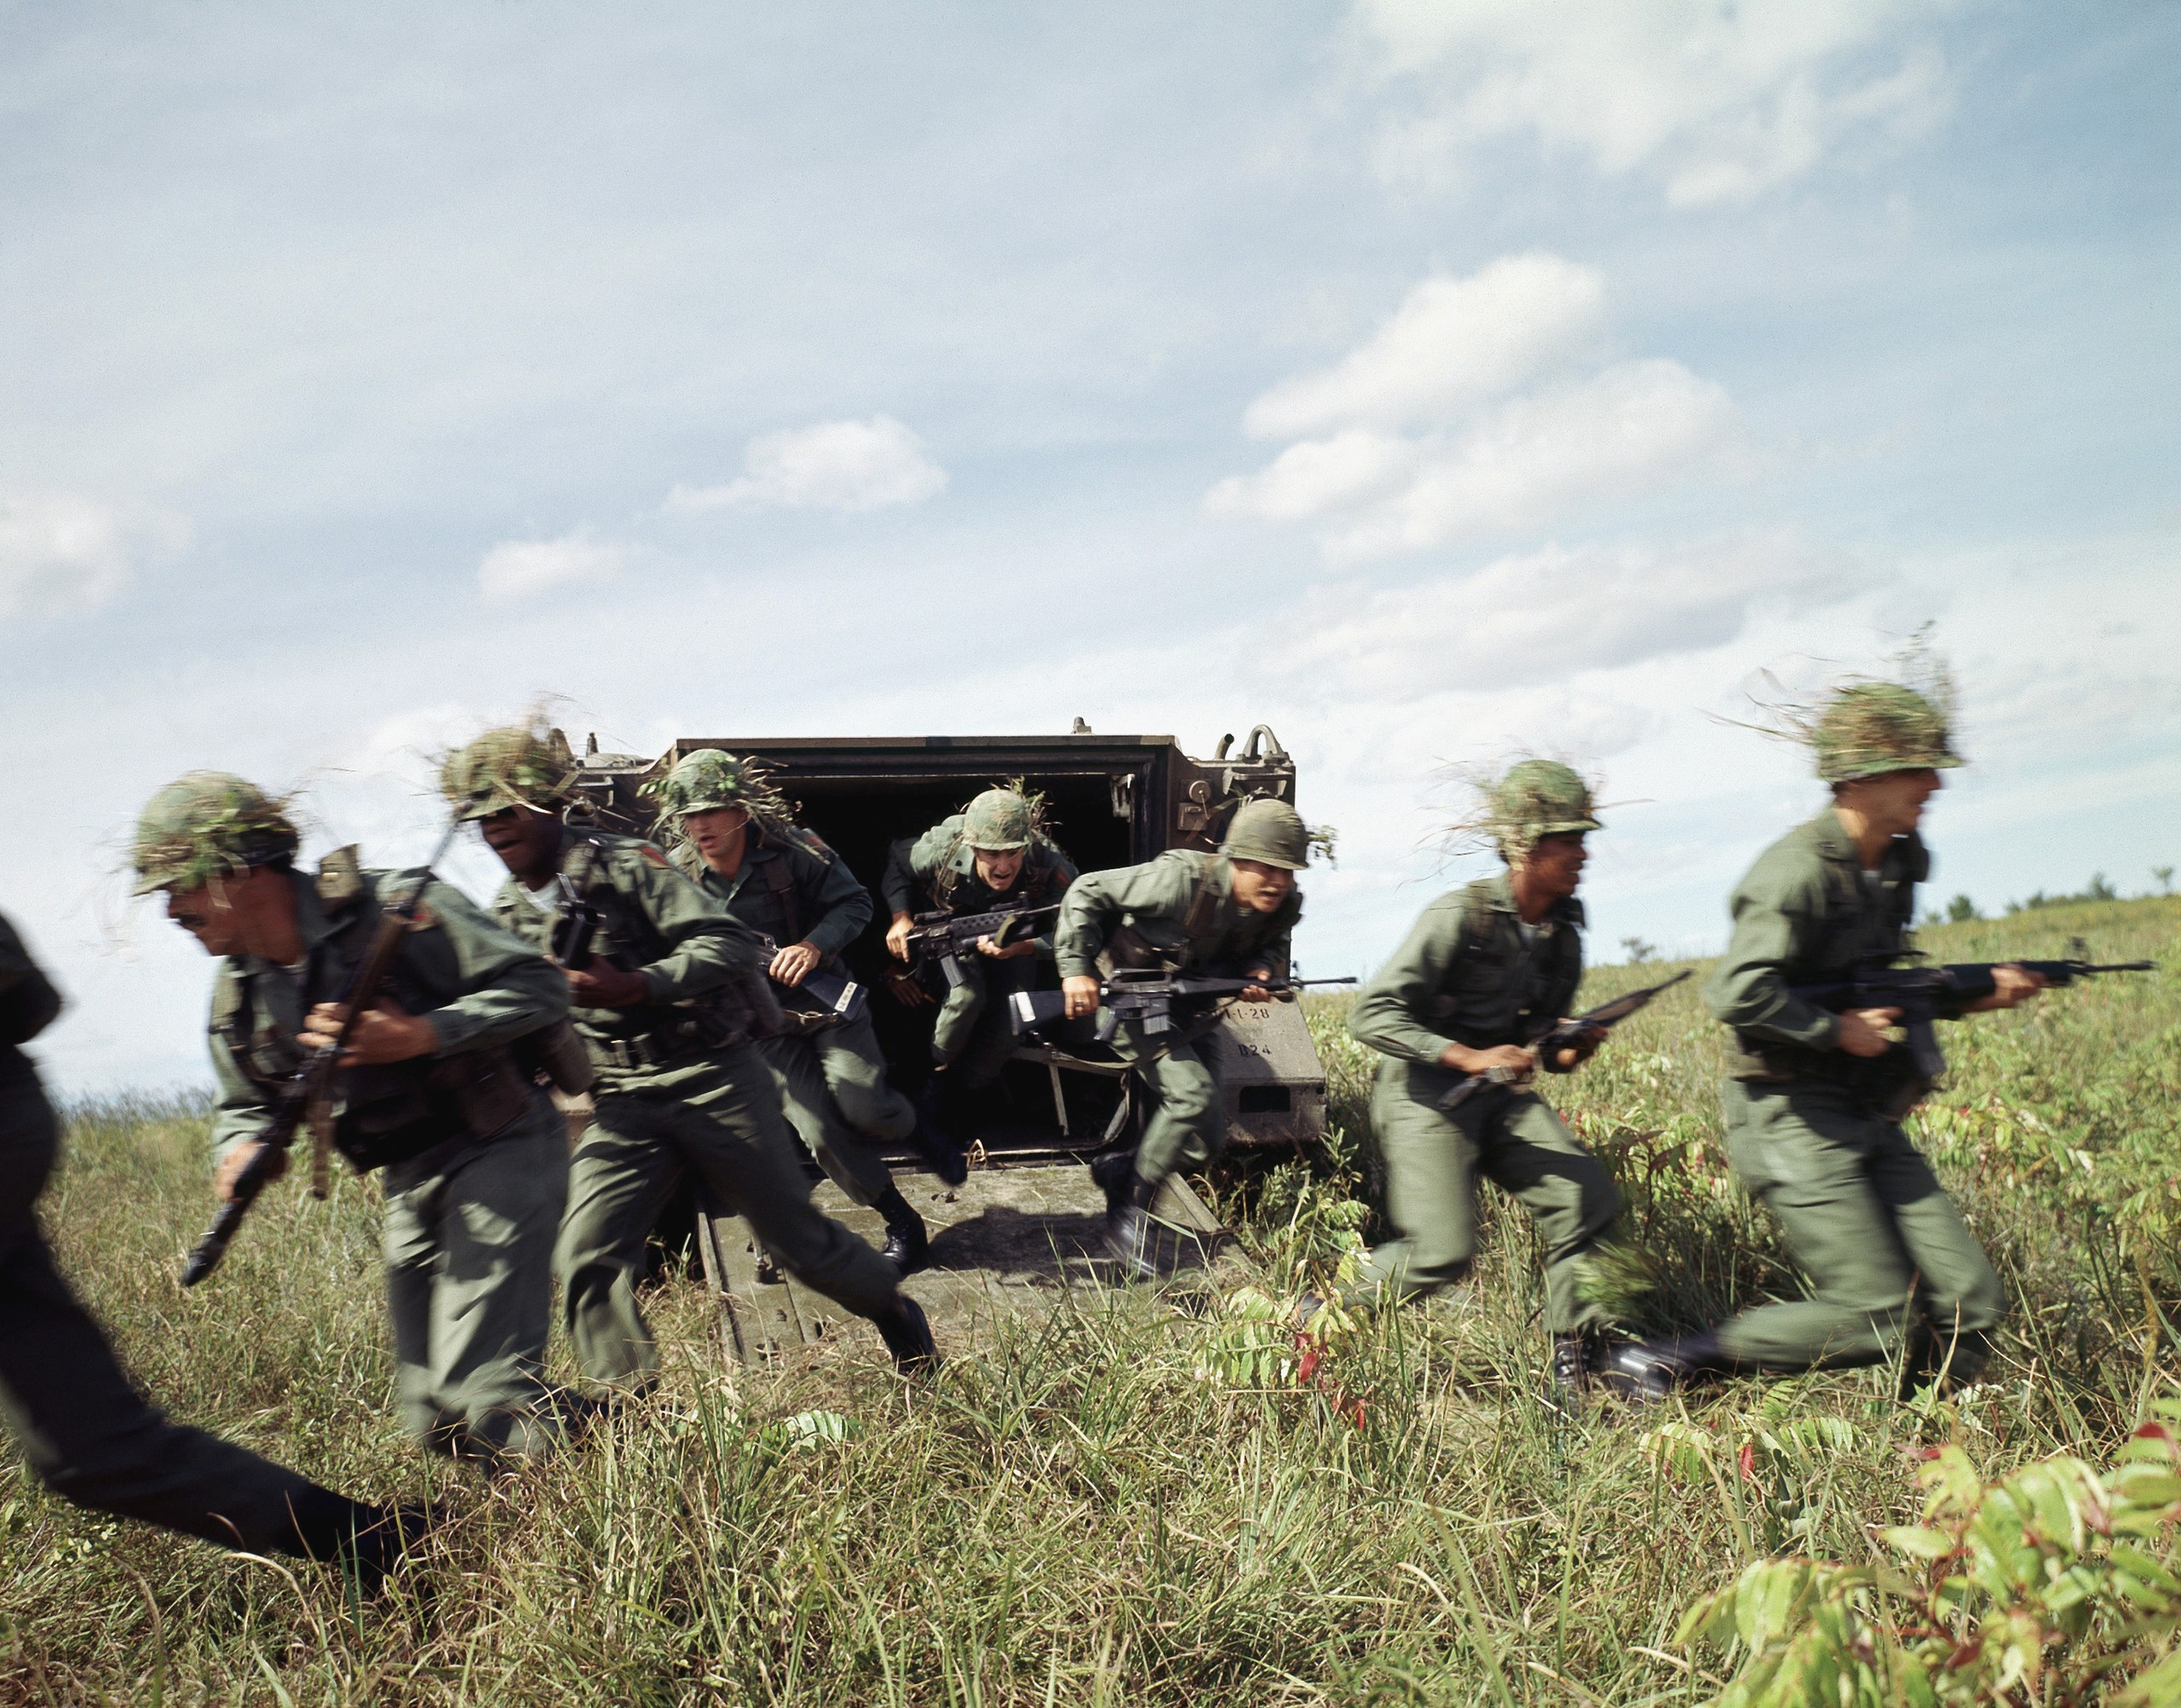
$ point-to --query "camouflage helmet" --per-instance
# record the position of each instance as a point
(1269, 832)
(997, 820)
(1537, 798)
(519, 766)
(207, 824)
(1868, 728)
(704, 780)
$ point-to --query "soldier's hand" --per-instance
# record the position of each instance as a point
(2011, 986)
(794, 964)
(1583, 1047)
(1511, 1058)
(1080, 996)
(238, 1159)
(908, 990)
(602, 986)
(385, 1033)
(1865, 1032)
(897, 935)
(1258, 990)
(1029, 945)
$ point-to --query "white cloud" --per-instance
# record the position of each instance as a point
(519, 569)
(1547, 615)
(1718, 100)
(1452, 342)
(60, 553)
(1518, 465)
(837, 465)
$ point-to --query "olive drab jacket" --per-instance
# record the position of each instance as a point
(28, 1003)
(1467, 975)
(1177, 911)
(939, 870)
(481, 988)
(1805, 914)
(793, 889)
(694, 956)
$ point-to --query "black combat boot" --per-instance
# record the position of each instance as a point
(1648, 1369)
(907, 1335)
(907, 1247)
(935, 1135)
(1112, 1170)
(1573, 1358)
(1128, 1229)
(371, 1543)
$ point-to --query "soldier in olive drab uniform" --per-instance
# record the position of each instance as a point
(994, 850)
(732, 833)
(1485, 971)
(440, 1095)
(664, 1002)
(1886, 1250)
(90, 1436)
(1224, 915)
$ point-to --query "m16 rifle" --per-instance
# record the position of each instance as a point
(1583, 1032)
(1147, 996)
(1923, 994)
(947, 937)
(308, 1097)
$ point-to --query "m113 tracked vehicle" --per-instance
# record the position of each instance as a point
(1109, 801)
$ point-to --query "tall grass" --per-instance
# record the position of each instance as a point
(1133, 1499)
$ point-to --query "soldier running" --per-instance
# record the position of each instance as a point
(729, 829)
(439, 1097)
(1226, 914)
(994, 850)
(679, 1087)
(1887, 1253)
(90, 1436)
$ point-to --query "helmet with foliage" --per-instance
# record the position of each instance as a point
(523, 765)
(207, 824)
(1870, 727)
(1535, 799)
(1270, 832)
(997, 820)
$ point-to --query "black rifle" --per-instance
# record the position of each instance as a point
(1926, 993)
(947, 937)
(842, 997)
(1146, 997)
(1555, 1036)
(308, 1094)
(573, 930)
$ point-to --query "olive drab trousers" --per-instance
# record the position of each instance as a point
(1885, 1247)
(718, 1115)
(469, 1235)
(834, 1090)
(91, 1437)
(1185, 1123)
(973, 1035)
(1432, 1158)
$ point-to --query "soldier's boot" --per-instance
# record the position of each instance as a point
(907, 1335)
(371, 1543)
(1128, 1229)
(1649, 1370)
(908, 1246)
(1569, 1371)
(1112, 1170)
(934, 1134)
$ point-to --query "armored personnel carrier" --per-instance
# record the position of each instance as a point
(1028, 1215)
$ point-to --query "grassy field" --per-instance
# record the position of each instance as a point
(1135, 1500)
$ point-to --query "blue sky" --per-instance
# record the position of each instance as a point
(1421, 380)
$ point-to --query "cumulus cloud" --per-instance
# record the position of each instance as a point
(836, 465)
(1717, 100)
(1516, 465)
(1452, 342)
(1549, 614)
(61, 553)
(520, 569)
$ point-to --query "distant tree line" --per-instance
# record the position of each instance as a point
(1962, 909)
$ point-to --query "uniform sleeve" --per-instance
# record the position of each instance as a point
(507, 988)
(1096, 902)
(28, 1001)
(705, 947)
(240, 1113)
(1560, 1000)
(1776, 913)
(1389, 1013)
(899, 886)
(840, 905)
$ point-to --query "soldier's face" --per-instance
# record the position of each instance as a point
(526, 840)
(1261, 888)
(1555, 864)
(232, 916)
(999, 867)
(717, 832)
(1893, 801)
